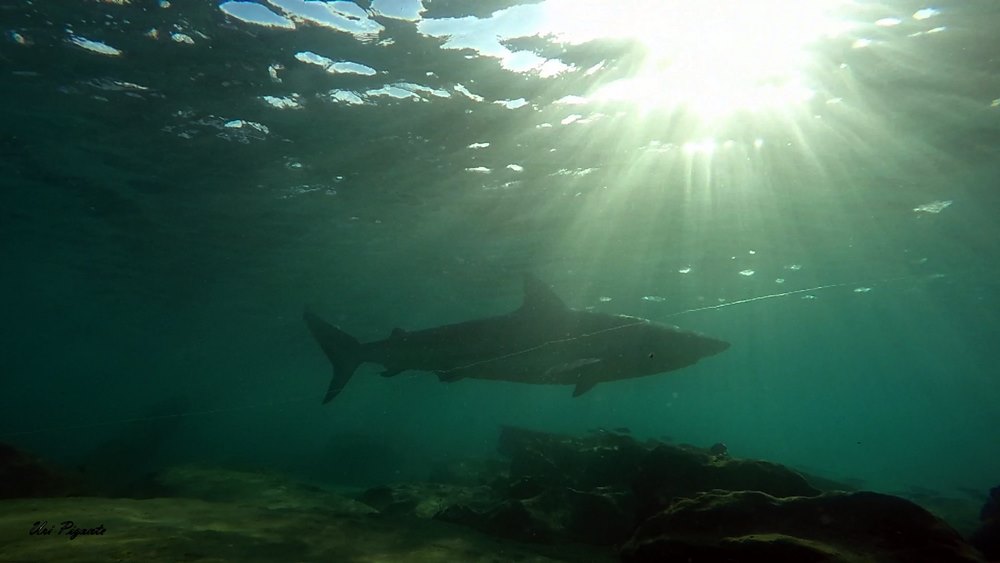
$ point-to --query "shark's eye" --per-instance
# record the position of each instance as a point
(651, 355)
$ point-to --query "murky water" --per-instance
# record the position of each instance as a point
(816, 186)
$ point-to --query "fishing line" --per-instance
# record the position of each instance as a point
(679, 313)
(786, 294)
(546, 343)
(274, 404)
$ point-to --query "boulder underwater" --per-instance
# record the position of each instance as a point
(833, 527)
(987, 537)
(660, 502)
(23, 475)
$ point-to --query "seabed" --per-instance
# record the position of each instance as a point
(605, 496)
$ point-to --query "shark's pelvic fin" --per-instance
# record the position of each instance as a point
(583, 387)
(449, 377)
(342, 349)
(539, 298)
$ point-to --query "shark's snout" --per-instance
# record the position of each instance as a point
(713, 346)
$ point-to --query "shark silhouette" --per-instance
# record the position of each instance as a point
(542, 342)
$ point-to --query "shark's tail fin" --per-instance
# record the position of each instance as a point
(342, 349)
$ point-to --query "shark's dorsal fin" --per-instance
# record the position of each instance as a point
(539, 298)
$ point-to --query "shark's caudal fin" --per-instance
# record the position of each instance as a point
(342, 349)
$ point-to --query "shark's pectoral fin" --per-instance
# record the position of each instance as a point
(583, 387)
(449, 377)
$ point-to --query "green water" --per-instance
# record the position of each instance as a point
(162, 226)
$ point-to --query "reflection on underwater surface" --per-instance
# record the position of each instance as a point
(179, 178)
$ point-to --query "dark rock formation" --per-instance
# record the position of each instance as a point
(752, 526)
(23, 475)
(597, 460)
(470, 472)
(426, 500)
(600, 516)
(987, 537)
(676, 503)
(580, 489)
(667, 473)
(125, 464)
(508, 519)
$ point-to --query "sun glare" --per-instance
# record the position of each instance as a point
(711, 56)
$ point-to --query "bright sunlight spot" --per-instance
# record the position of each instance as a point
(714, 57)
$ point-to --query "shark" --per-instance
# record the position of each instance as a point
(542, 342)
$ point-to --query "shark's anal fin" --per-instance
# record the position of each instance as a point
(446, 377)
(582, 387)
